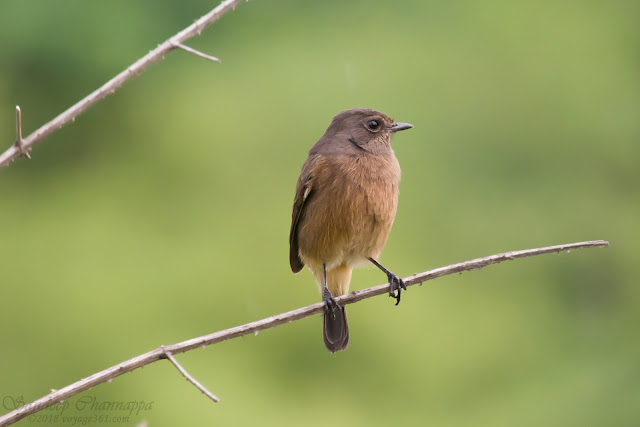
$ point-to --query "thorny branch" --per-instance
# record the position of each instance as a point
(22, 146)
(164, 352)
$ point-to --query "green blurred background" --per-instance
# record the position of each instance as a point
(163, 213)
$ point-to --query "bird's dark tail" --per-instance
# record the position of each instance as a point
(335, 330)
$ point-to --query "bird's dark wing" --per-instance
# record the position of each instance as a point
(304, 190)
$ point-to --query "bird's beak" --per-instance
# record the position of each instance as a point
(400, 126)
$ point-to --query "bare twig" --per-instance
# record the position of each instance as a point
(16, 150)
(270, 322)
(189, 378)
(19, 140)
(197, 52)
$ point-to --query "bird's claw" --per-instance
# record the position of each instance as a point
(395, 283)
(330, 304)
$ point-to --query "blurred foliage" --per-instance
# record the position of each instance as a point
(163, 212)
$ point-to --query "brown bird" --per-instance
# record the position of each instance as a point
(344, 207)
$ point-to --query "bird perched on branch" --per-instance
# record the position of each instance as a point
(344, 207)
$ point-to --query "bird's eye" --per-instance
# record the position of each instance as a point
(373, 125)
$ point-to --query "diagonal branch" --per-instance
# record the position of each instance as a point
(270, 322)
(21, 146)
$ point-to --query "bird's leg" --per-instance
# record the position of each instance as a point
(330, 304)
(395, 282)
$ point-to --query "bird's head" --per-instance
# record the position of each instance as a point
(362, 129)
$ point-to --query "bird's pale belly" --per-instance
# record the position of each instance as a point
(351, 223)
